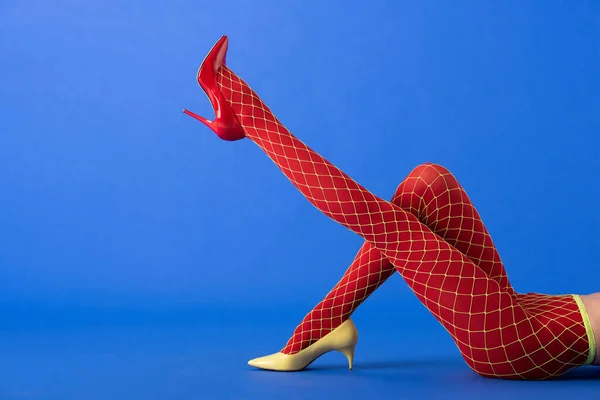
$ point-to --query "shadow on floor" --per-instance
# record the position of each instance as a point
(578, 374)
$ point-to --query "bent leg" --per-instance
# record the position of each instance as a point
(435, 196)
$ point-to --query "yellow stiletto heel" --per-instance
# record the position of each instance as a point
(349, 353)
(342, 339)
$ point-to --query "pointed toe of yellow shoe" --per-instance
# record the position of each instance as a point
(275, 362)
(342, 339)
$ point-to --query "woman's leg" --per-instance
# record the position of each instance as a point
(494, 333)
(432, 194)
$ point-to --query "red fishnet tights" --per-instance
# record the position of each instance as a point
(499, 334)
(434, 196)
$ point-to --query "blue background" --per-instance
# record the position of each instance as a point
(142, 257)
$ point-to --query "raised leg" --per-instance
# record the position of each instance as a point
(432, 194)
(496, 336)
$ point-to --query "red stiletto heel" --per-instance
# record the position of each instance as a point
(225, 124)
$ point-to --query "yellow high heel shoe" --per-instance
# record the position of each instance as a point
(342, 339)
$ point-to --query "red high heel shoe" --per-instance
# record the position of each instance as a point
(225, 124)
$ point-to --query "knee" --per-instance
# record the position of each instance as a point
(427, 176)
(429, 173)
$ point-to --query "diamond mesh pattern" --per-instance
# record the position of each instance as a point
(499, 333)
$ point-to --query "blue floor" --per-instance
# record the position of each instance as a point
(155, 358)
